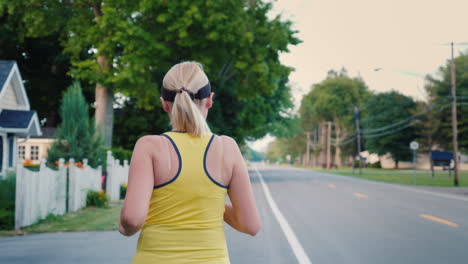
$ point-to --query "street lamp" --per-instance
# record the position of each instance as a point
(408, 73)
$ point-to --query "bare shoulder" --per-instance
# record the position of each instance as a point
(228, 142)
(149, 141)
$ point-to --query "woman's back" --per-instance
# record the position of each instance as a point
(178, 182)
(185, 217)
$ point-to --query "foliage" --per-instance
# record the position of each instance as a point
(123, 191)
(42, 64)
(252, 155)
(375, 165)
(98, 199)
(7, 202)
(121, 154)
(275, 151)
(133, 122)
(334, 100)
(280, 148)
(137, 41)
(386, 109)
(31, 166)
(438, 88)
(426, 126)
(76, 137)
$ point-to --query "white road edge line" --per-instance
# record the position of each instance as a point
(296, 246)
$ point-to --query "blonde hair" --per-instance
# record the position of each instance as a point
(186, 114)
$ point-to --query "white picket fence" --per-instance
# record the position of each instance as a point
(116, 176)
(43, 192)
(80, 180)
(39, 193)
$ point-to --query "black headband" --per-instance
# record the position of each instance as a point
(169, 95)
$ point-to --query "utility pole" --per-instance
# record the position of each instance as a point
(454, 120)
(307, 149)
(358, 134)
(329, 144)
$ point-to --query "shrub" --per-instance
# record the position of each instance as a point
(98, 199)
(363, 164)
(123, 191)
(77, 136)
(121, 154)
(375, 165)
(29, 165)
(33, 167)
(7, 202)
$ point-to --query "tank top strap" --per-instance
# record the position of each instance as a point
(192, 152)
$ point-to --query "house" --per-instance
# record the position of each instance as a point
(34, 148)
(16, 117)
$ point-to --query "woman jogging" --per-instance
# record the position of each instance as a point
(178, 181)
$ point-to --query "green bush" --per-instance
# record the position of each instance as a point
(7, 202)
(98, 199)
(77, 136)
(375, 165)
(33, 167)
(121, 154)
(123, 191)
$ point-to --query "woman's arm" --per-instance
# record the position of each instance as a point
(139, 189)
(242, 214)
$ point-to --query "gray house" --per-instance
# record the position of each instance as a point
(16, 117)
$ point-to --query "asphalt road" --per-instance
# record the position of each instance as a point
(319, 218)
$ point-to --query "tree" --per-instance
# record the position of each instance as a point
(389, 128)
(133, 122)
(280, 148)
(438, 88)
(333, 100)
(43, 68)
(252, 155)
(126, 46)
(76, 137)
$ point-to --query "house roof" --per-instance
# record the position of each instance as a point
(16, 118)
(5, 68)
(20, 122)
(47, 132)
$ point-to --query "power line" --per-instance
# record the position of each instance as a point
(435, 107)
(388, 132)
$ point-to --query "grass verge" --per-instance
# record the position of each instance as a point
(87, 219)
(408, 177)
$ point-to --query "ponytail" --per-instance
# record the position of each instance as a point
(180, 84)
(186, 116)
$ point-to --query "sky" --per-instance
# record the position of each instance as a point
(402, 37)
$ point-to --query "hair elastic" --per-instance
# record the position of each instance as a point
(169, 95)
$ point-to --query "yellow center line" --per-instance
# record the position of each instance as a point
(440, 220)
(332, 186)
(361, 195)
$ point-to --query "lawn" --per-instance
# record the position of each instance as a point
(409, 177)
(87, 219)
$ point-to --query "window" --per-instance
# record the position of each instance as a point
(21, 152)
(34, 152)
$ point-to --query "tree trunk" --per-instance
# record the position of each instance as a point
(329, 129)
(104, 105)
(396, 164)
(338, 142)
(322, 143)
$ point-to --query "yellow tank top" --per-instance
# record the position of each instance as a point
(185, 218)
